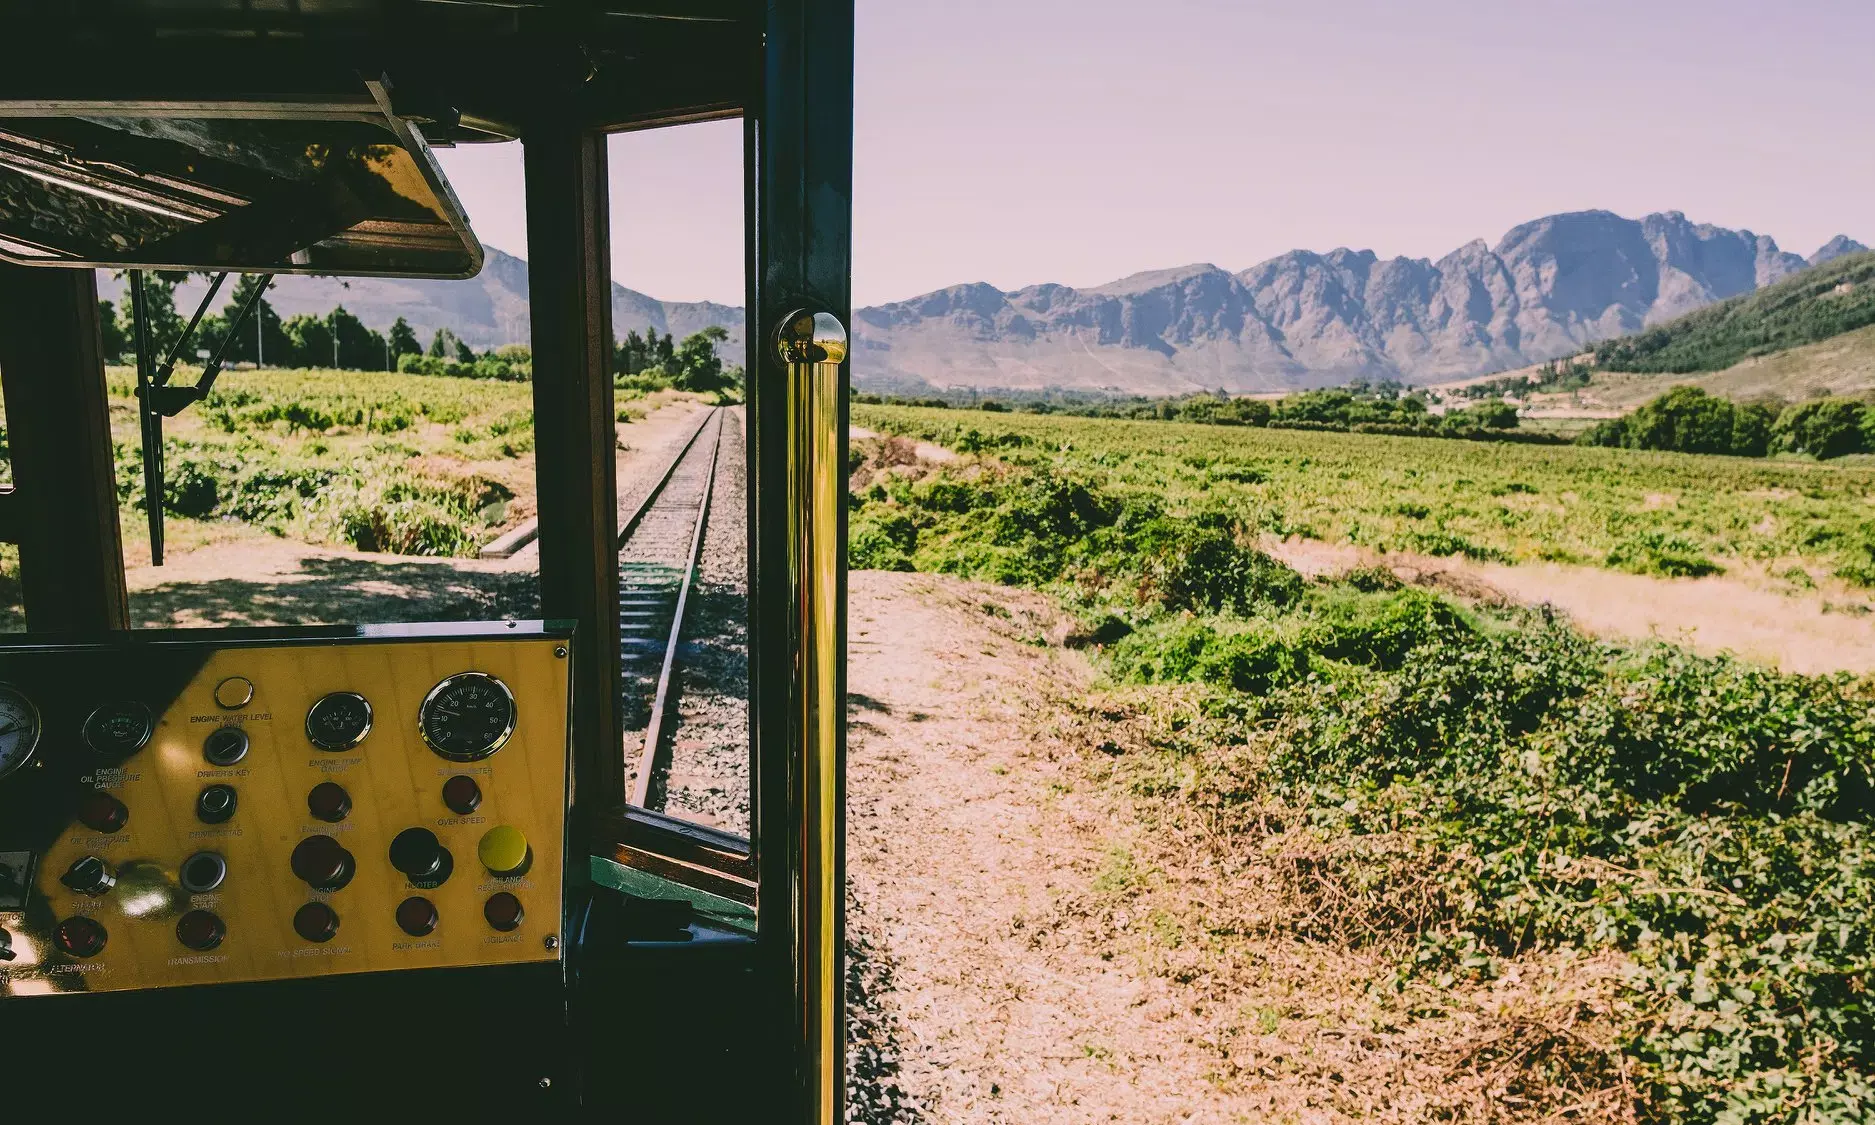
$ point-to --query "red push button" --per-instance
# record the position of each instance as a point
(101, 812)
(200, 930)
(80, 937)
(329, 802)
(316, 922)
(417, 916)
(503, 912)
(462, 795)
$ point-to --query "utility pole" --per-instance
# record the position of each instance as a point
(259, 347)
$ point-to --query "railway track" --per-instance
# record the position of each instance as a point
(659, 544)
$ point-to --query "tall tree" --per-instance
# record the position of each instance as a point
(159, 303)
(404, 340)
(309, 342)
(357, 348)
(110, 333)
(261, 338)
(697, 366)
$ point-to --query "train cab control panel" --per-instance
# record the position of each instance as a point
(194, 809)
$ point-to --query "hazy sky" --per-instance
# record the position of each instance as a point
(1020, 141)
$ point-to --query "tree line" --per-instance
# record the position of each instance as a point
(1689, 420)
(340, 340)
(1359, 407)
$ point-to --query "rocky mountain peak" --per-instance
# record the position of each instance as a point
(1835, 248)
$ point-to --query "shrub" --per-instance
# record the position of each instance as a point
(1201, 565)
(1250, 659)
(1380, 630)
(1656, 552)
(881, 540)
(1824, 428)
(1684, 420)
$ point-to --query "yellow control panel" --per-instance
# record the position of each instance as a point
(285, 810)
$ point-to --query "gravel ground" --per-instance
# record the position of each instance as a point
(708, 780)
(874, 1093)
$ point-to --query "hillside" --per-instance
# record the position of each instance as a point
(1840, 365)
(1821, 303)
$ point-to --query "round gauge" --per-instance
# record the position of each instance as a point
(118, 730)
(467, 717)
(19, 729)
(338, 721)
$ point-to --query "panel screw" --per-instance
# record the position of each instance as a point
(560, 651)
(551, 942)
(546, 1083)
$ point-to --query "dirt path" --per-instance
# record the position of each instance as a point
(967, 836)
(1808, 634)
(1034, 941)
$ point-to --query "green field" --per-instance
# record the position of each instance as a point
(1659, 513)
(1476, 792)
(408, 464)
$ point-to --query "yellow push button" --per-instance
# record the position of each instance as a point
(503, 850)
(234, 693)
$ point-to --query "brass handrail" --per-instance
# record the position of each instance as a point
(813, 345)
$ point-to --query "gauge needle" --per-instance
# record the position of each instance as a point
(12, 728)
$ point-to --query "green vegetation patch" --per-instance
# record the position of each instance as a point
(1689, 420)
(1459, 786)
(1659, 513)
(405, 464)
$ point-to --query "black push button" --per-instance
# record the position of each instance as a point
(200, 930)
(322, 863)
(316, 922)
(417, 916)
(215, 804)
(419, 854)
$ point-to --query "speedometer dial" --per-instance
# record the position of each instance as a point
(19, 729)
(467, 717)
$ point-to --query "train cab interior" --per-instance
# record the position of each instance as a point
(371, 870)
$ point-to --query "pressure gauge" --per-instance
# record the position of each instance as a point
(19, 729)
(118, 730)
(467, 717)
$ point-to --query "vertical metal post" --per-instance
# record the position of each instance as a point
(59, 439)
(151, 423)
(570, 296)
(813, 346)
(800, 165)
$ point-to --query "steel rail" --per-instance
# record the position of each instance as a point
(654, 731)
(650, 497)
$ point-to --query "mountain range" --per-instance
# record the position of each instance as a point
(1549, 287)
